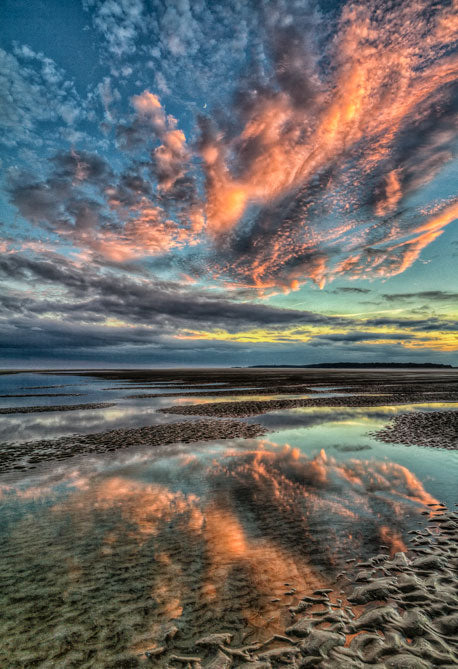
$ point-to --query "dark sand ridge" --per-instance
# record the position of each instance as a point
(180, 386)
(60, 385)
(404, 388)
(201, 390)
(435, 429)
(288, 381)
(253, 408)
(302, 389)
(18, 456)
(265, 376)
(58, 407)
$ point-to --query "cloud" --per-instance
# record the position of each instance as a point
(108, 295)
(118, 218)
(305, 176)
(170, 158)
(276, 183)
(85, 308)
(429, 295)
(119, 21)
(35, 92)
(230, 148)
(352, 289)
(81, 302)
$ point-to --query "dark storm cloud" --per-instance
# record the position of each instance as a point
(424, 324)
(46, 333)
(65, 201)
(351, 290)
(89, 309)
(96, 295)
(82, 166)
(430, 295)
(133, 135)
(20, 266)
(359, 336)
(27, 339)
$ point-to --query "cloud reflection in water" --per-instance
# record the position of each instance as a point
(206, 539)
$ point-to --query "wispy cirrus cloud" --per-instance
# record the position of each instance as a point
(322, 182)
(307, 175)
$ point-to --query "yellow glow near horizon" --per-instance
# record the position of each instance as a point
(436, 340)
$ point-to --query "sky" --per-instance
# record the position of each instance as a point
(228, 182)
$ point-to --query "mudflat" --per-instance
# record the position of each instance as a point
(242, 518)
(339, 388)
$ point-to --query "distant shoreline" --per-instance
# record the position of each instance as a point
(215, 368)
(360, 365)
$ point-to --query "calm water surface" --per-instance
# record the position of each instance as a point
(127, 411)
(99, 554)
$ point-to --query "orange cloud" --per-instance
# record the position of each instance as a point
(292, 190)
(391, 259)
(146, 103)
(375, 89)
(146, 232)
(383, 78)
(393, 194)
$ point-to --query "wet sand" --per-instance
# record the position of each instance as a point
(26, 455)
(392, 611)
(276, 376)
(253, 408)
(380, 388)
(58, 407)
(402, 613)
(43, 395)
(436, 429)
(221, 392)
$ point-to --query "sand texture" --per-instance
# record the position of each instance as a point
(254, 408)
(389, 612)
(26, 455)
(59, 407)
(401, 614)
(436, 429)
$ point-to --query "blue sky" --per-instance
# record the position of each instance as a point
(227, 182)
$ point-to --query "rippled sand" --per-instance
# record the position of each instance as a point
(237, 552)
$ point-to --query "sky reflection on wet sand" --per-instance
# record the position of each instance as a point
(205, 537)
(109, 549)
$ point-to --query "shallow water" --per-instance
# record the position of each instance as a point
(128, 411)
(98, 554)
(344, 432)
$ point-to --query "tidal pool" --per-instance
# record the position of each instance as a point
(74, 389)
(99, 554)
(40, 389)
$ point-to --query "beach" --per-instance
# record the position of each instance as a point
(229, 518)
